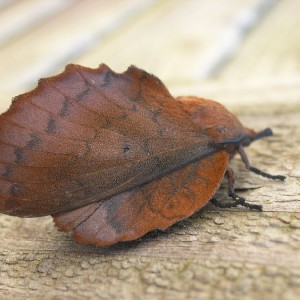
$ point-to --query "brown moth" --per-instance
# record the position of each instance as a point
(113, 156)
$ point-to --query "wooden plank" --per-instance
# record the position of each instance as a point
(6, 3)
(58, 47)
(226, 253)
(119, 33)
(247, 95)
(272, 50)
(25, 15)
(51, 45)
(170, 41)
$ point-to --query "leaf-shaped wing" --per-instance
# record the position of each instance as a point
(89, 134)
(156, 205)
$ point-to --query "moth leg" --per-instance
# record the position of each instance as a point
(238, 200)
(222, 204)
(255, 170)
(232, 194)
(230, 180)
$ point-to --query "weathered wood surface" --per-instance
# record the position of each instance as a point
(215, 254)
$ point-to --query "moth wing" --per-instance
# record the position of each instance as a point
(79, 135)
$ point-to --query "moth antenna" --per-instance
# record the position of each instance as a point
(264, 133)
(244, 140)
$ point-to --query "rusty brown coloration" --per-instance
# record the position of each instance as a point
(113, 156)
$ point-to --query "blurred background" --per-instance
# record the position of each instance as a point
(238, 52)
(245, 54)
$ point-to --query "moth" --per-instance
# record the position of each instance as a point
(111, 156)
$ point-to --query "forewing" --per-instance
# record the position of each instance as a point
(88, 134)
